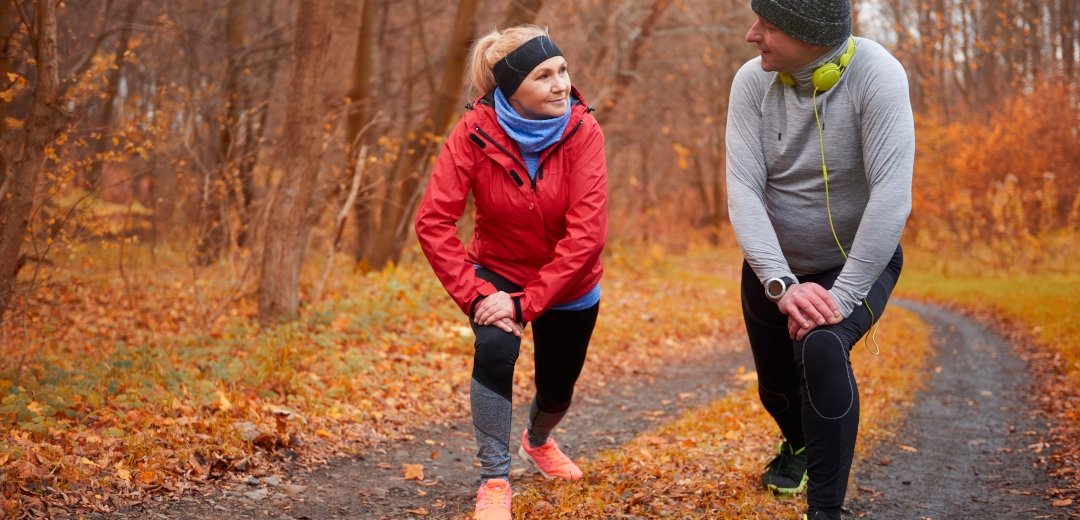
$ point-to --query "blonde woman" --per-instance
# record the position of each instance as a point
(532, 156)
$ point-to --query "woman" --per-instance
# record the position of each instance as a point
(532, 156)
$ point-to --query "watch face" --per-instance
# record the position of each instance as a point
(774, 288)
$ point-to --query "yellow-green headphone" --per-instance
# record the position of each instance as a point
(826, 76)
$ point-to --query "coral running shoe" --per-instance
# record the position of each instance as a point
(549, 459)
(493, 500)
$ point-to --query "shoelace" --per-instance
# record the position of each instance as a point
(493, 495)
(549, 449)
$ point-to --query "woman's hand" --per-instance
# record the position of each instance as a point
(494, 309)
(510, 326)
(808, 305)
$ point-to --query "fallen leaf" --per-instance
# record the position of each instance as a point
(148, 477)
(223, 402)
(645, 454)
(909, 449)
(414, 471)
(418, 511)
(88, 462)
(1065, 502)
(35, 407)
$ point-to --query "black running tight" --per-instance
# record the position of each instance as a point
(561, 340)
(808, 386)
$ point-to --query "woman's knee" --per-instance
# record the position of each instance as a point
(496, 353)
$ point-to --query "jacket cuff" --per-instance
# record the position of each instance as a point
(472, 307)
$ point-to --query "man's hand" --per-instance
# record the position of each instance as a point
(808, 305)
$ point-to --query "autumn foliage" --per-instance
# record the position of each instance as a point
(1002, 187)
(132, 360)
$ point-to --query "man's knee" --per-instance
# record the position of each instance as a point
(830, 384)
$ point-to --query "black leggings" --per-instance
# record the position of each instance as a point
(561, 340)
(808, 386)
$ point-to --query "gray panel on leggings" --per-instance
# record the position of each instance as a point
(491, 419)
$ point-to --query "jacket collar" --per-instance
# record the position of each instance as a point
(483, 110)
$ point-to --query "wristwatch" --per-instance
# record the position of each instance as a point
(776, 288)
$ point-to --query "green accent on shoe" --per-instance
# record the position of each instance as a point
(786, 473)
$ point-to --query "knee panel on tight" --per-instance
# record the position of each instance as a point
(826, 370)
(493, 363)
(774, 402)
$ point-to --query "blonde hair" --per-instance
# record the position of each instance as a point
(492, 47)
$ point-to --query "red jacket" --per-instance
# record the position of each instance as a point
(544, 235)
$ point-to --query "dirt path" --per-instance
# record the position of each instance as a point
(975, 432)
(372, 486)
(969, 449)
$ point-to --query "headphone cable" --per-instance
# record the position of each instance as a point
(828, 209)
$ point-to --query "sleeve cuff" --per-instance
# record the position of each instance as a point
(472, 307)
(843, 304)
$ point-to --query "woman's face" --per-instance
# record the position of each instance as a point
(779, 51)
(544, 93)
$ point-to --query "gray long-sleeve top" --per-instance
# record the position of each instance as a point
(776, 187)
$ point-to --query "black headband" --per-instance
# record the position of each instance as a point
(511, 70)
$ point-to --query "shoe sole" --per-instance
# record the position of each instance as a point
(525, 456)
(789, 491)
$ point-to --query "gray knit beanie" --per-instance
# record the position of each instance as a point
(821, 22)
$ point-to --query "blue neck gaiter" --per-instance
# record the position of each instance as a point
(532, 135)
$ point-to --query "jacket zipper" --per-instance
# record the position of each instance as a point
(540, 164)
(517, 180)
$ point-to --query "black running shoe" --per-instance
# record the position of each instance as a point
(814, 514)
(786, 474)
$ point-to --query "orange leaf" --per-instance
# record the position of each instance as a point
(414, 471)
(148, 477)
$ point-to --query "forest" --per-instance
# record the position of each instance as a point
(206, 208)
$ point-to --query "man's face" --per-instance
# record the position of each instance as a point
(780, 52)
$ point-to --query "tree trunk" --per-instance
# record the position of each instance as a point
(42, 125)
(362, 96)
(213, 212)
(256, 123)
(288, 228)
(388, 241)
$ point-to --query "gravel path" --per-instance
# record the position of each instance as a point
(372, 486)
(971, 447)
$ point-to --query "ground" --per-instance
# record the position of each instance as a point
(971, 447)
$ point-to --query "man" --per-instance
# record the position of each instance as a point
(820, 148)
